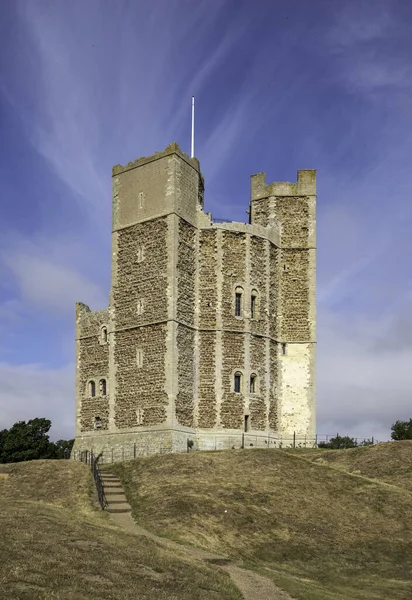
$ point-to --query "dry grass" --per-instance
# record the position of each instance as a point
(56, 543)
(321, 533)
(389, 462)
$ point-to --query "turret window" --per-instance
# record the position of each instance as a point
(103, 335)
(92, 388)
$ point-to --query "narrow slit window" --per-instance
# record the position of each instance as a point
(238, 302)
(253, 384)
(284, 349)
(139, 416)
(92, 388)
(140, 254)
(104, 335)
(140, 307)
(238, 382)
(252, 306)
(141, 199)
(139, 358)
(103, 387)
(246, 423)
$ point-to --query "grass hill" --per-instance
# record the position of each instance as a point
(325, 525)
(56, 543)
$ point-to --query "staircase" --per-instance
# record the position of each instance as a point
(115, 496)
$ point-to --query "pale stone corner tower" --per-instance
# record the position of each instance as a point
(211, 327)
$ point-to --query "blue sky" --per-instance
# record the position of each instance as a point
(279, 86)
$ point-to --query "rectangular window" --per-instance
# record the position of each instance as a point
(246, 423)
(237, 383)
(238, 304)
(283, 349)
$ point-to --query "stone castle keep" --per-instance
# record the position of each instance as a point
(211, 327)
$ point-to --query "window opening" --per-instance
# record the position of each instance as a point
(139, 358)
(246, 423)
(238, 382)
(97, 423)
(92, 388)
(104, 335)
(283, 349)
(102, 387)
(252, 384)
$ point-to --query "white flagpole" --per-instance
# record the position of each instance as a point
(192, 152)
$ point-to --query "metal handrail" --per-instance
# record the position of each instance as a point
(89, 458)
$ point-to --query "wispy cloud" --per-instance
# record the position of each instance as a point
(48, 275)
(30, 391)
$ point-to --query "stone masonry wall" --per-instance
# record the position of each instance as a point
(140, 388)
(207, 374)
(273, 393)
(207, 278)
(184, 404)
(233, 355)
(258, 282)
(295, 295)
(144, 280)
(257, 403)
(93, 364)
(234, 273)
(186, 268)
(274, 257)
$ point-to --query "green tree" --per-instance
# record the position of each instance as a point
(339, 442)
(63, 448)
(402, 430)
(26, 441)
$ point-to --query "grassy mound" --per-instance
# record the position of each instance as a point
(320, 532)
(390, 462)
(56, 543)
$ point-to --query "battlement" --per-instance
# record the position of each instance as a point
(172, 148)
(305, 185)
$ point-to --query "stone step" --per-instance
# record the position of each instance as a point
(119, 509)
(120, 492)
(112, 485)
(120, 501)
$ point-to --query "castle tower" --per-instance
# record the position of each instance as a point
(293, 206)
(210, 331)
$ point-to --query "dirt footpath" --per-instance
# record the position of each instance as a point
(252, 585)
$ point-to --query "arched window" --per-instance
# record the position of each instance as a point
(103, 335)
(238, 302)
(254, 304)
(102, 387)
(237, 382)
(253, 383)
(97, 423)
(92, 388)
